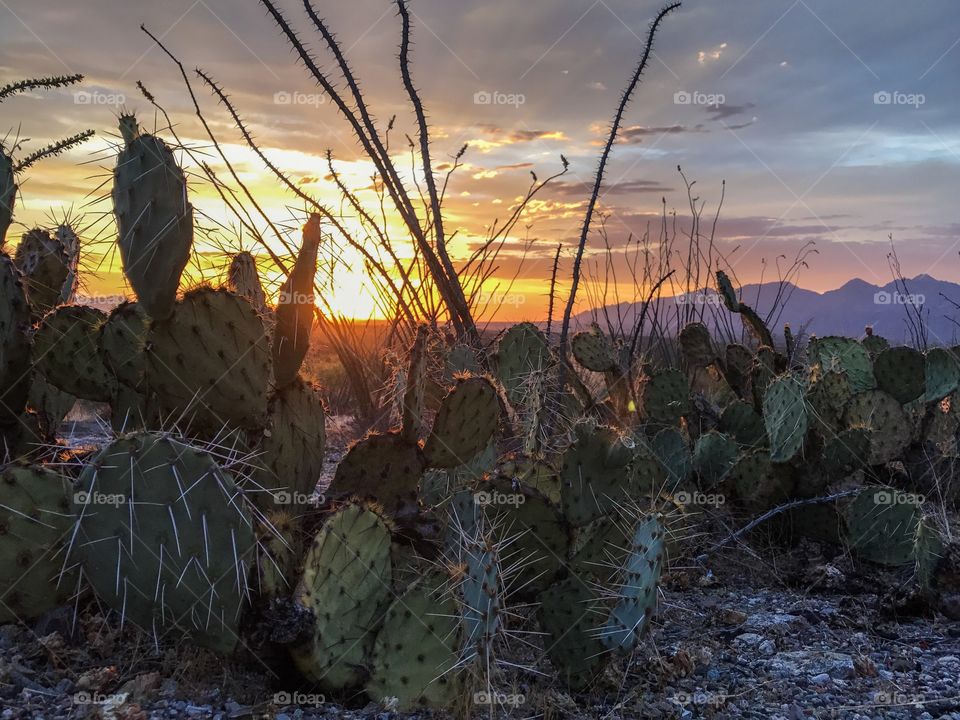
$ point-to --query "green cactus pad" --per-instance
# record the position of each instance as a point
(414, 382)
(738, 363)
(595, 474)
(665, 397)
(481, 593)
(727, 292)
(66, 352)
(847, 452)
(594, 351)
(875, 344)
(758, 483)
(208, 363)
(44, 264)
(154, 218)
(50, 404)
(569, 615)
(696, 345)
(785, 417)
(634, 589)
(346, 583)
(35, 522)
(130, 411)
(465, 423)
(672, 451)
(164, 538)
(295, 313)
(533, 473)
(882, 525)
(827, 398)
(844, 355)
(122, 343)
(291, 447)
(8, 193)
(15, 369)
(438, 485)
(942, 374)
(600, 546)
(901, 373)
(741, 422)
(713, 456)
(927, 551)
(883, 416)
(416, 650)
(384, 468)
(522, 350)
(460, 359)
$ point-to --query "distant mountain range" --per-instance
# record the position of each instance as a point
(844, 311)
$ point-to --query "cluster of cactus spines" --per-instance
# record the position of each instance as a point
(34, 519)
(753, 322)
(942, 372)
(882, 525)
(467, 419)
(714, 454)
(346, 585)
(595, 474)
(785, 415)
(296, 310)
(165, 539)
(418, 648)
(208, 362)
(15, 358)
(243, 280)
(66, 351)
(154, 218)
(885, 418)
(901, 373)
(482, 594)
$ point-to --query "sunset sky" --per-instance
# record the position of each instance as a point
(832, 122)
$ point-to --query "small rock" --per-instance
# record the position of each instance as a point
(747, 640)
(821, 679)
(733, 617)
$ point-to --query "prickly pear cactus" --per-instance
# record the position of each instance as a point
(785, 416)
(843, 355)
(713, 456)
(35, 520)
(437, 485)
(665, 397)
(208, 362)
(295, 309)
(568, 616)
(14, 344)
(634, 589)
(741, 422)
(533, 473)
(847, 452)
(346, 584)
(481, 594)
(672, 451)
(874, 343)
(244, 280)
(595, 474)
(738, 362)
(594, 350)
(883, 416)
(66, 352)
(417, 649)
(154, 218)
(758, 483)
(43, 262)
(50, 404)
(901, 373)
(122, 342)
(465, 423)
(291, 446)
(882, 525)
(70, 243)
(382, 467)
(751, 321)
(280, 549)
(8, 192)
(522, 350)
(942, 374)
(164, 539)
(827, 398)
(414, 383)
(696, 345)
